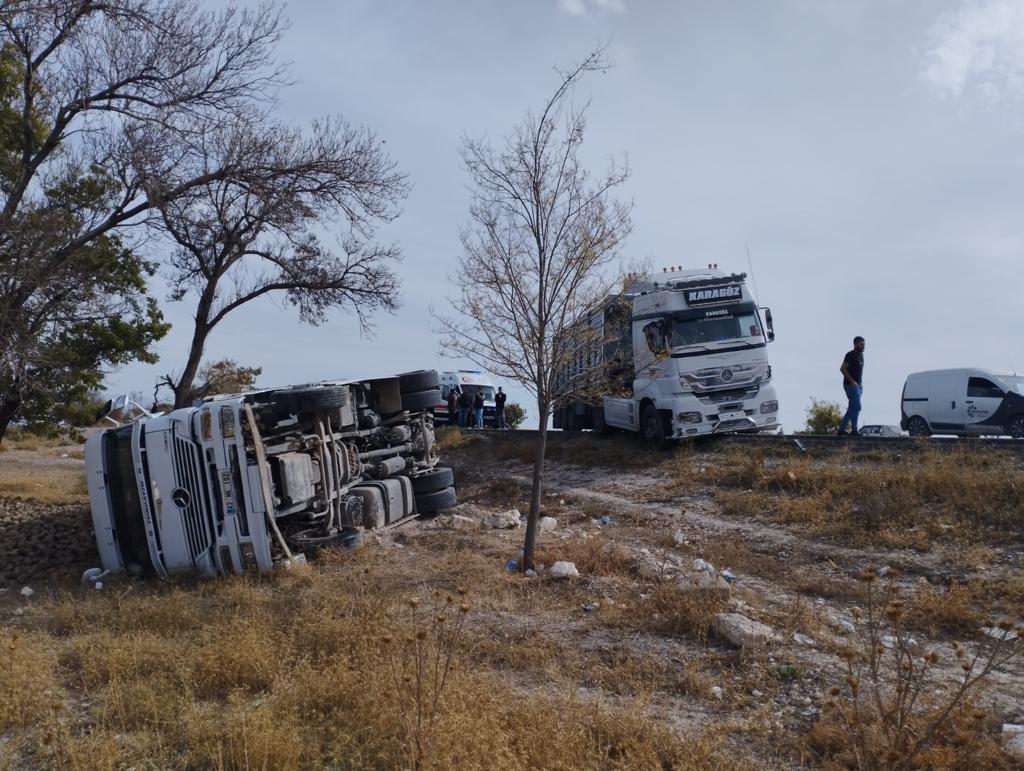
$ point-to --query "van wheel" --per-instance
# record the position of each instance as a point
(653, 429)
(1015, 427)
(918, 426)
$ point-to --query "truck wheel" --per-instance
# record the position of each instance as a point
(296, 400)
(420, 380)
(600, 427)
(653, 428)
(417, 401)
(439, 499)
(918, 426)
(1015, 427)
(436, 479)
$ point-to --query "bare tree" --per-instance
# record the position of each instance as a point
(542, 231)
(244, 237)
(107, 104)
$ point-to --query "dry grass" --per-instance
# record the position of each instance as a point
(666, 610)
(42, 484)
(290, 672)
(965, 495)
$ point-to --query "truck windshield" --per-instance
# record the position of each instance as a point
(734, 325)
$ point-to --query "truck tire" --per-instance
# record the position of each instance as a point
(597, 416)
(417, 401)
(918, 426)
(439, 499)
(1015, 427)
(420, 380)
(436, 479)
(653, 428)
(296, 400)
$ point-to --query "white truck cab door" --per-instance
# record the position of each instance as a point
(983, 399)
(946, 397)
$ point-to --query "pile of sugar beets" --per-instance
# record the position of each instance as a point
(44, 541)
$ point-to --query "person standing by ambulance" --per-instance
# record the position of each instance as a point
(499, 408)
(853, 383)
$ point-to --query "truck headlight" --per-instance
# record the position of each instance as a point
(690, 417)
(227, 422)
(206, 424)
(772, 406)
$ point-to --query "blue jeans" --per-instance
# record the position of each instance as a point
(499, 418)
(464, 417)
(853, 394)
(478, 415)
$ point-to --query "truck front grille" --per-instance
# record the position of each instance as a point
(188, 476)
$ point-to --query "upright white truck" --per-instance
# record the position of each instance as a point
(682, 353)
(246, 481)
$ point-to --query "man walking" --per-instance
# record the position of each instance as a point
(499, 408)
(453, 401)
(853, 383)
(478, 408)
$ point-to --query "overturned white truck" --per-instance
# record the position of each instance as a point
(246, 481)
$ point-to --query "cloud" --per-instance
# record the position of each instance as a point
(591, 7)
(978, 51)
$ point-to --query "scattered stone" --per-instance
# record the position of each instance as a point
(756, 694)
(591, 607)
(27, 591)
(804, 639)
(679, 538)
(459, 522)
(652, 569)
(999, 634)
(562, 569)
(728, 575)
(741, 631)
(561, 501)
(547, 523)
(701, 565)
(502, 520)
(704, 580)
(847, 625)
(605, 520)
(530, 574)
(717, 692)
(1014, 735)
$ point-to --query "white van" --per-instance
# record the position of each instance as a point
(463, 379)
(965, 402)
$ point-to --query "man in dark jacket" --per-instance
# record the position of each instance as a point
(478, 408)
(453, 401)
(853, 383)
(499, 408)
(465, 403)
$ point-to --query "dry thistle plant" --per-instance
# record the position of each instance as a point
(421, 656)
(898, 708)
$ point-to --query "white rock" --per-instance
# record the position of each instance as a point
(717, 692)
(530, 573)
(756, 694)
(847, 625)
(561, 501)
(701, 565)
(679, 537)
(703, 580)
(458, 522)
(804, 639)
(27, 591)
(563, 569)
(1014, 739)
(502, 520)
(741, 631)
(98, 586)
(650, 568)
(547, 523)
(1000, 634)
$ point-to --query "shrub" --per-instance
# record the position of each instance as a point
(515, 414)
(823, 417)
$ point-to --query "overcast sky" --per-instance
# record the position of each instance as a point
(869, 152)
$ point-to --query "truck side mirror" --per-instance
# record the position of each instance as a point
(769, 326)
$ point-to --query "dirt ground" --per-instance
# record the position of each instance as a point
(637, 525)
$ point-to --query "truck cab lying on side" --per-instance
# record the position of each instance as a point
(246, 481)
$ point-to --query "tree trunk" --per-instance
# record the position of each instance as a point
(538, 480)
(183, 388)
(8, 409)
